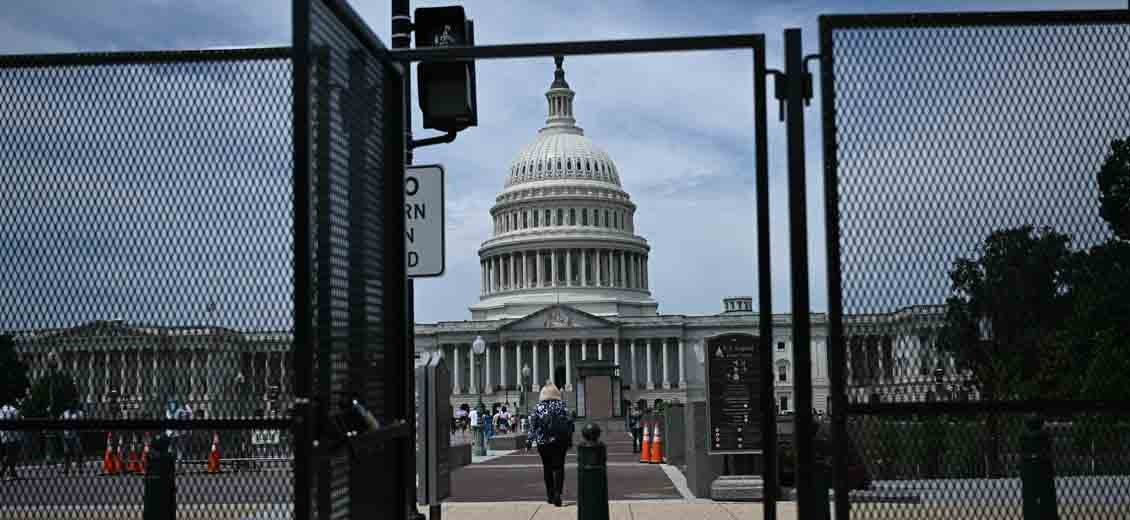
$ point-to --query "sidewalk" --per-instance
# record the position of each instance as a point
(618, 510)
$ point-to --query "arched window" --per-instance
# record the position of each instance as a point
(535, 218)
(606, 219)
(548, 218)
(560, 217)
(558, 163)
(569, 164)
(588, 165)
(584, 217)
(572, 216)
(525, 220)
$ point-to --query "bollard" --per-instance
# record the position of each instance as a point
(160, 485)
(592, 476)
(479, 441)
(1037, 474)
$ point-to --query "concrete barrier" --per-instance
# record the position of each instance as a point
(508, 442)
(459, 455)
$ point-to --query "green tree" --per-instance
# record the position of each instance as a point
(1096, 333)
(65, 390)
(13, 372)
(1114, 188)
(1005, 309)
(1003, 316)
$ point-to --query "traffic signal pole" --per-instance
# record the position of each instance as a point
(402, 39)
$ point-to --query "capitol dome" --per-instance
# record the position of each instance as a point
(564, 228)
(559, 153)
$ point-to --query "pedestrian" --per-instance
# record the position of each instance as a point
(487, 421)
(551, 432)
(635, 425)
(9, 443)
(72, 443)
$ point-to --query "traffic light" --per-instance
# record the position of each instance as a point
(446, 88)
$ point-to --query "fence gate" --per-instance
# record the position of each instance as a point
(197, 244)
(973, 272)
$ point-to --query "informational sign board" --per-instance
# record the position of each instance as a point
(261, 437)
(733, 371)
(433, 429)
(424, 225)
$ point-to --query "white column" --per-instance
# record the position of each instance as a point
(600, 349)
(90, 375)
(513, 281)
(156, 389)
(682, 366)
(584, 268)
(122, 374)
(666, 371)
(535, 380)
(650, 379)
(552, 283)
(458, 372)
(552, 373)
(568, 273)
(108, 379)
(623, 267)
(474, 376)
(584, 347)
(537, 274)
(488, 381)
(518, 364)
(502, 364)
(632, 364)
(568, 365)
(616, 352)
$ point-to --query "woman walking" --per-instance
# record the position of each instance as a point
(551, 431)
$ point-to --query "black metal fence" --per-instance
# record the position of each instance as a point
(202, 245)
(974, 267)
(147, 265)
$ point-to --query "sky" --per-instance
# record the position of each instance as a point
(678, 126)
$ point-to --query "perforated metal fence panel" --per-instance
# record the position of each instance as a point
(349, 108)
(146, 281)
(973, 265)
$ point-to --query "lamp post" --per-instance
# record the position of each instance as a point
(525, 388)
(478, 347)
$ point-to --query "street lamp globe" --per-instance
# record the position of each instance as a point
(479, 346)
(525, 371)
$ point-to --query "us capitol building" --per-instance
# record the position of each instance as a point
(564, 289)
(564, 281)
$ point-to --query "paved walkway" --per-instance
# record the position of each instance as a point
(618, 510)
(517, 477)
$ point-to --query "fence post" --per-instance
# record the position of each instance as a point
(1037, 474)
(160, 502)
(592, 476)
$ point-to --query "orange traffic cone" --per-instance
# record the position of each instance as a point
(214, 456)
(119, 459)
(108, 467)
(656, 446)
(645, 451)
(134, 467)
(144, 454)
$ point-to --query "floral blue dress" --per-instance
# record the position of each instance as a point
(541, 422)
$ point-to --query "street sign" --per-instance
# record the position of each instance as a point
(424, 227)
(733, 372)
(260, 437)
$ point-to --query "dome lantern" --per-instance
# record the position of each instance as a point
(560, 98)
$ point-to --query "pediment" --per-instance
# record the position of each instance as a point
(558, 317)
